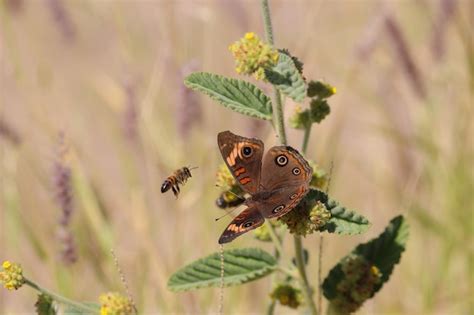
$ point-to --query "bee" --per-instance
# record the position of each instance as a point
(179, 177)
(229, 200)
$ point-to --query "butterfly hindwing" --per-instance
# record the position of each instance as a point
(286, 176)
(247, 220)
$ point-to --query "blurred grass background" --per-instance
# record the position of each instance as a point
(107, 76)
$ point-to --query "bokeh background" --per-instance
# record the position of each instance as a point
(94, 116)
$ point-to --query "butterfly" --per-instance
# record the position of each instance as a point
(275, 185)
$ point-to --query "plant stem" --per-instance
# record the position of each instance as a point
(278, 119)
(280, 129)
(307, 291)
(307, 133)
(275, 239)
(271, 308)
(61, 299)
(267, 22)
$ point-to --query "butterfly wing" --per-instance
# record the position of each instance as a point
(285, 179)
(247, 220)
(243, 157)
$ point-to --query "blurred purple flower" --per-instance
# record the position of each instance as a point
(14, 6)
(404, 55)
(446, 11)
(64, 198)
(188, 108)
(8, 133)
(62, 19)
(130, 114)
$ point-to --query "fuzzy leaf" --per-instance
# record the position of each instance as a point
(45, 305)
(240, 266)
(238, 95)
(286, 77)
(342, 221)
(384, 252)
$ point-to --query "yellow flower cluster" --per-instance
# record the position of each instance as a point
(319, 178)
(287, 295)
(224, 178)
(262, 233)
(113, 303)
(11, 276)
(358, 285)
(319, 216)
(252, 56)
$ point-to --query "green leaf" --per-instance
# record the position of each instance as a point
(384, 252)
(343, 221)
(238, 95)
(45, 305)
(240, 266)
(71, 310)
(286, 77)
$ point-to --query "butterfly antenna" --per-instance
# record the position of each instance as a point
(226, 214)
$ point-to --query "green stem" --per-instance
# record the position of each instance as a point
(289, 272)
(275, 239)
(307, 133)
(271, 308)
(278, 119)
(280, 129)
(307, 291)
(62, 299)
(267, 22)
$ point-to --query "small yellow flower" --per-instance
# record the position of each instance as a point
(319, 216)
(252, 56)
(320, 89)
(262, 233)
(11, 276)
(224, 178)
(359, 283)
(249, 35)
(287, 295)
(113, 303)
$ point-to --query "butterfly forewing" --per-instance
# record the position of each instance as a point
(243, 157)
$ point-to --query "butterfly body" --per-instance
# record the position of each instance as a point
(275, 182)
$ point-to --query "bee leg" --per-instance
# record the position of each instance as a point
(177, 187)
(175, 192)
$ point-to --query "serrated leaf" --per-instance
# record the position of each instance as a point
(384, 252)
(343, 221)
(45, 305)
(286, 77)
(71, 310)
(238, 95)
(240, 266)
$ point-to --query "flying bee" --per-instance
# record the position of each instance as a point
(179, 177)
